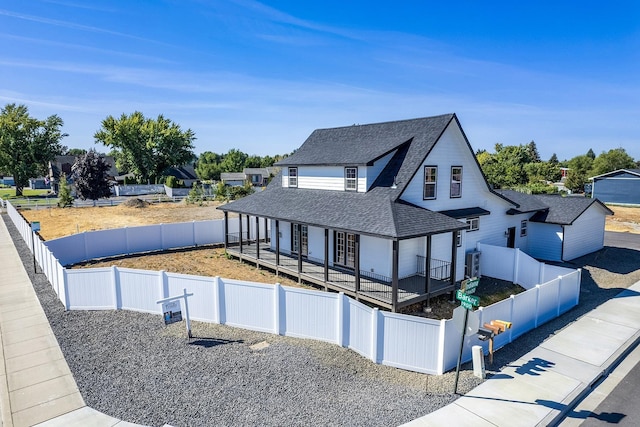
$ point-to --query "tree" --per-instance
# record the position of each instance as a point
(591, 154)
(208, 166)
(233, 161)
(75, 152)
(612, 160)
(65, 199)
(553, 159)
(27, 144)
(146, 147)
(532, 151)
(578, 173)
(90, 176)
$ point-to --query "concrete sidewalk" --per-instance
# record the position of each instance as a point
(543, 385)
(36, 385)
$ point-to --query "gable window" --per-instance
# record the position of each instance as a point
(458, 238)
(523, 228)
(293, 177)
(351, 179)
(345, 249)
(473, 223)
(430, 178)
(456, 181)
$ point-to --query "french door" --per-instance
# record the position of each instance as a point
(345, 249)
(300, 240)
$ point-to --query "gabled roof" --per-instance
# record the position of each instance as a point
(181, 172)
(616, 172)
(552, 209)
(232, 176)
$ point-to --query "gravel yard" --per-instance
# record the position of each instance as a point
(129, 365)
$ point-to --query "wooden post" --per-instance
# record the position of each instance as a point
(277, 245)
(326, 257)
(299, 230)
(257, 241)
(248, 230)
(266, 230)
(427, 270)
(240, 231)
(454, 256)
(394, 276)
(226, 230)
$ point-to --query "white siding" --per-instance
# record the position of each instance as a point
(325, 178)
(407, 262)
(375, 255)
(585, 235)
(316, 243)
(545, 241)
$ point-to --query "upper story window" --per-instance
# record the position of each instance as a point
(293, 177)
(430, 178)
(456, 181)
(523, 228)
(351, 179)
(473, 223)
(458, 238)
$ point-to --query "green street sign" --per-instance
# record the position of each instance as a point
(469, 286)
(469, 299)
(466, 305)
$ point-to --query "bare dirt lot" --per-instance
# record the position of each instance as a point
(212, 261)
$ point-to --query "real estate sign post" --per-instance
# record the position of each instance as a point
(171, 310)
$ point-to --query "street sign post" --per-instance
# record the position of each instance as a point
(468, 302)
(469, 286)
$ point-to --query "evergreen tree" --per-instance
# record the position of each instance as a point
(553, 159)
(591, 154)
(65, 199)
(91, 179)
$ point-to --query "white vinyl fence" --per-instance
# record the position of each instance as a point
(406, 342)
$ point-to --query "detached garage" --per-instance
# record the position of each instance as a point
(570, 228)
(621, 186)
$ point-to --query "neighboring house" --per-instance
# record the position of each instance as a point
(63, 164)
(258, 177)
(233, 179)
(560, 228)
(185, 173)
(368, 209)
(7, 180)
(621, 186)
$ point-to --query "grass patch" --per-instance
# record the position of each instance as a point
(10, 193)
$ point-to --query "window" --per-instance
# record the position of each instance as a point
(523, 228)
(293, 177)
(430, 177)
(351, 179)
(345, 249)
(458, 238)
(300, 241)
(456, 181)
(473, 223)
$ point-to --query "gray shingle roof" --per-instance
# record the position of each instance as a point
(551, 209)
(373, 213)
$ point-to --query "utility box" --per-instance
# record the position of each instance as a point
(472, 264)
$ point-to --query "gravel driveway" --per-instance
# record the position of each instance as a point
(129, 365)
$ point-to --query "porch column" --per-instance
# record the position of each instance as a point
(277, 244)
(248, 230)
(356, 263)
(326, 257)
(257, 241)
(226, 230)
(240, 230)
(394, 277)
(454, 256)
(299, 231)
(427, 270)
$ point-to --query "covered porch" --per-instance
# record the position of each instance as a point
(392, 293)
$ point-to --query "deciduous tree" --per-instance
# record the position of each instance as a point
(90, 176)
(612, 160)
(27, 144)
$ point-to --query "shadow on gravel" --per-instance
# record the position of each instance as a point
(612, 259)
(212, 342)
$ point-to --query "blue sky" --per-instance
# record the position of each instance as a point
(261, 76)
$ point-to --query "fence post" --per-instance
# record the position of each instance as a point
(276, 309)
(512, 301)
(65, 295)
(193, 233)
(164, 284)
(579, 285)
(558, 297)
(516, 265)
(162, 236)
(216, 299)
(541, 273)
(374, 335)
(115, 283)
(340, 322)
(442, 340)
(537, 312)
(86, 251)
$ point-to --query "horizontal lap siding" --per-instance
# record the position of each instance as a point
(620, 189)
(585, 235)
(545, 241)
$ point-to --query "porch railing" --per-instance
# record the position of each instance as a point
(440, 270)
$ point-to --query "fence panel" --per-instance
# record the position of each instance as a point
(139, 290)
(201, 304)
(208, 232)
(501, 310)
(569, 291)
(247, 305)
(90, 289)
(524, 312)
(70, 249)
(310, 314)
(143, 238)
(528, 271)
(548, 301)
(496, 261)
(410, 342)
(105, 243)
(178, 235)
(552, 272)
(358, 327)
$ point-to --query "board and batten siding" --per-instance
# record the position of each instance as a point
(585, 235)
(545, 241)
(325, 178)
